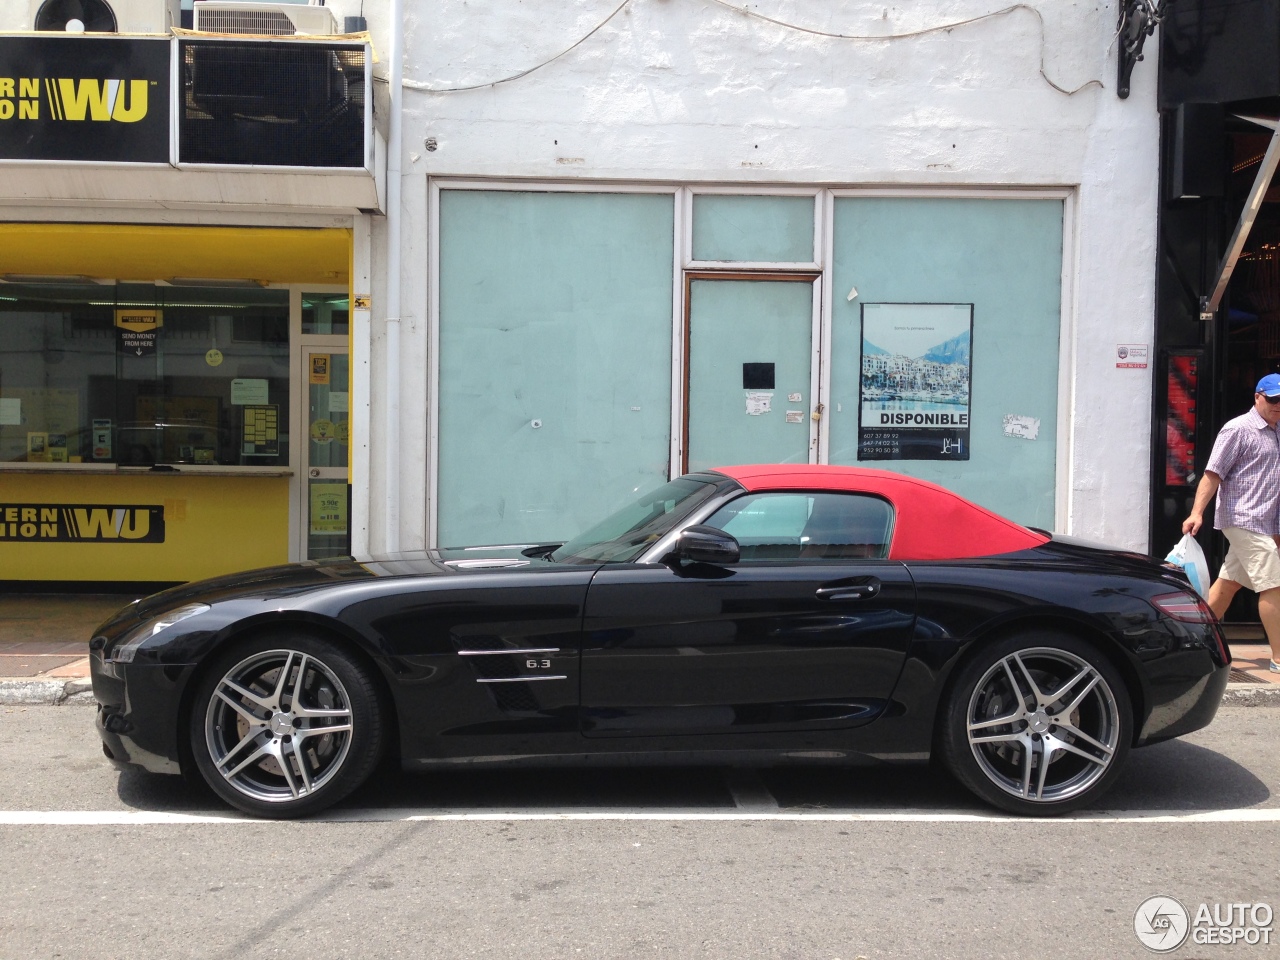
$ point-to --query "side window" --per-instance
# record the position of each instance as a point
(807, 526)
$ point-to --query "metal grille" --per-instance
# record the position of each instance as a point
(270, 23)
(1239, 676)
(273, 103)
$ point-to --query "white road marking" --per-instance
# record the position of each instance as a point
(749, 791)
(94, 818)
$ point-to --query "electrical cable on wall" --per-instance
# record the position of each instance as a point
(427, 88)
(418, 85)
(919, 33)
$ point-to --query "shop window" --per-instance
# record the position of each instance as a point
(326, 313)
(753, 229)
(554, 360)
(139, 375)
(945, 355)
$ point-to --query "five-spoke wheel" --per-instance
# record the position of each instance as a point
(286, 725)
(1037, 724)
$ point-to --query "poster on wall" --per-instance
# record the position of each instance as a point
(915, 378)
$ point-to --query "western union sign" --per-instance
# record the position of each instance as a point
(139, 320)
(84, 98)
(124, 101)
(81, 523)
(138, 329)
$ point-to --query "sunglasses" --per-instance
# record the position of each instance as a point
(1272, 400)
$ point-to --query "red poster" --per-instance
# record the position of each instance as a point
(1180, 421)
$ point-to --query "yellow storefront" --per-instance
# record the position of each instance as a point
(173, 400)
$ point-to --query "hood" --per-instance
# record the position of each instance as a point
(292, 578)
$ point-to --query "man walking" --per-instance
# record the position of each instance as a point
(1244, 470)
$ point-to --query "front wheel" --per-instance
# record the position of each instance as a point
(286, 725)
(1037, 724)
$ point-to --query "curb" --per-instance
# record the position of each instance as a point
(27, 692)
(1252, 695)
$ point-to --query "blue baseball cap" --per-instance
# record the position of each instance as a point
(1269, 386)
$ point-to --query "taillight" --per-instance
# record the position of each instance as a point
(1184, 606)
(1191, 608)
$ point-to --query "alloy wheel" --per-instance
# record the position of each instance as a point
(1043, 725)
(278, 726)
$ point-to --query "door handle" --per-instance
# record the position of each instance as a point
(849, 591)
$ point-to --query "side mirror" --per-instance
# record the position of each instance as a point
(704, 544)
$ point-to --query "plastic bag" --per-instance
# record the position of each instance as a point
(1188, 555)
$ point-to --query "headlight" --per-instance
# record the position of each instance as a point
(128, 647)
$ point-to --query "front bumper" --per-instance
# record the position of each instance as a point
(139, 712)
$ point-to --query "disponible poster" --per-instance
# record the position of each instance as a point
(915, 381)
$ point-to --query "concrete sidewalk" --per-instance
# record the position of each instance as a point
(44, 650)
(44, 644)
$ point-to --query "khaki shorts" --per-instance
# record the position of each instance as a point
(1253, 560)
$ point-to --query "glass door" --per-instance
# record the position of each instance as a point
(751, 370)
(324, 501)
(326, 505)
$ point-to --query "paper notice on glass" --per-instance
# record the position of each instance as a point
(246, 391)
(795, 416)
(337, 401)
(758, 403)
(1024, 428)
(10, 411)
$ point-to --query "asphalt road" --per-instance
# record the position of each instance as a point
(824, 864)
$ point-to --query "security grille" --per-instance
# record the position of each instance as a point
(273, 103)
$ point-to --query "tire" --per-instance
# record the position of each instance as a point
(1030, 697)
(286, 725)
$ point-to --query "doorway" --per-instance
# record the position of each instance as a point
(751, 369)
(324, 528)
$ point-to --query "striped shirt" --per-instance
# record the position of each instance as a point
(1246, 456)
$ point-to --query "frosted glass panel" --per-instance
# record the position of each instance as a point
(765, 229)
(1005, 258)
(750, 345)
(555, 360)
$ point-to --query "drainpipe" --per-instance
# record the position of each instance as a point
(391, 381)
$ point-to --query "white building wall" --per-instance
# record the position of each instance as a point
(692, 91)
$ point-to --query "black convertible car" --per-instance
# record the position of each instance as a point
(749, 615)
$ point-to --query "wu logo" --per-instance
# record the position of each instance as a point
(82, 523)
(124, 101)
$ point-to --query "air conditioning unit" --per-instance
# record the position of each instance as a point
(265, 19)
(105, 16)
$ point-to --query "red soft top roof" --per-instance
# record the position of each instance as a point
(931, 522)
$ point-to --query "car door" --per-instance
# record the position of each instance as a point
(808, 631)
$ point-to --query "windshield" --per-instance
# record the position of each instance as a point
(625, 535)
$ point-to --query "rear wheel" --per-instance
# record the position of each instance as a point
(1037, 724)
(286, 725)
